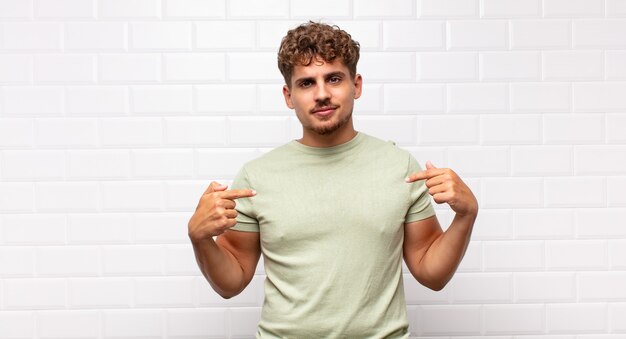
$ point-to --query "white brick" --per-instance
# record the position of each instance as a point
(161, 36)
(541, 160)
(544, 224)
(616, 8)
(17, 262)
(417, 294)
(573, 129)
(393, 8)
(617, 254)
(541, 287)
(66, 196)
(64, 9)
(15, 69)
(16, 133)
(575, 192)
(485, 34)
(576, 8)
(576, 254)
(20, 324)
(270, 33)
(163, 227)
(165, 292)
(111, 100)
(599, 33)
(194, 8)
(616, 124)
(599, 160)
(617, 318)
(197, 323)
(477, 98)
(270, 100)
(132, 260)
(180, 258)
(510, 129)
(412, 98)
(600, 223)
(387, 67)
(266, 9)
(493, 225)
(34, 229)
(469, 161)
(504, 66)
(253, 131)
(34, 294)
(17, 197)
(253, 67)
(195, 131)
(132, 196)
(32, 36)
(181, 196)
(130, 8)
(482, 288)
(576, 65)
(225, 99)
(473, 259)
(162, 163)
(590, 318)
(244, 321)
(131, 132)
(34, 101)
(68, 324)
(98, 164)
(447, 9)
(450, 320)
(367, 33)
(98, 228)
(87, 36)
(540, 97)
(16, 9)
(413, 35)
(170, 99)
(126, 68)
(61, 132)
(513, 255)
(454, 130)
(33, 164)
(68, 261)
(400, 130)
(542, 34)
(64, 69)
(599, 97)
(616, 189)
(222, 163)
(447, 66)
(510, 8)
(322, 9)
(195, 67)
(100, 292)
(230, 35)
(615, 66)
(601, 286)
(514, 319)
(133, 324)
(496, 192)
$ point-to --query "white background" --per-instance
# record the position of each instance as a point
(116, 114)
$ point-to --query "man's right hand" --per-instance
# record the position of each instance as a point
(215, 212)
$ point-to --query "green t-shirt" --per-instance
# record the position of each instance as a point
(331, 223)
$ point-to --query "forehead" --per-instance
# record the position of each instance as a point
(319, 67)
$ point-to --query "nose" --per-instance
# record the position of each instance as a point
(322, 93)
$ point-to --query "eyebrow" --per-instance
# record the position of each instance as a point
(326, 76)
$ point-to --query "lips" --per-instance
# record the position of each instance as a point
(324, 111)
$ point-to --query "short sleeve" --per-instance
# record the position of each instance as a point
(421, 207)
(246, 217)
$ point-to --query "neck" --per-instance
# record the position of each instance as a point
(338, 137)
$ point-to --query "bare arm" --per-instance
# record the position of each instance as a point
(431, 254)
(228, 263)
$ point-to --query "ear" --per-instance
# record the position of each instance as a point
(287, 95)
(358, 85)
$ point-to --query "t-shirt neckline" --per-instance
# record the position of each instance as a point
(358, 138)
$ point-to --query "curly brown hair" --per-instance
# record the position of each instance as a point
(311, 40)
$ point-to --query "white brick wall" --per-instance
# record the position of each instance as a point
(116, 114)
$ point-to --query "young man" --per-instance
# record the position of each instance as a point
(333, 213)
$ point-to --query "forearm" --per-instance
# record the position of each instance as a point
(219, 267)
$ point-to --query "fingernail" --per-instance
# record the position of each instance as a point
(253, 192)
(407, 179)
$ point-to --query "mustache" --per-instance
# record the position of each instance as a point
(323, 106)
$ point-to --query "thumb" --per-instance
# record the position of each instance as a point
(214, 187)
(429, 165)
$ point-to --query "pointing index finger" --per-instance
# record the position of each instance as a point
(425, 174)
(236, 194)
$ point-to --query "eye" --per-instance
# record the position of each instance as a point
(305, 83)
(334, 79)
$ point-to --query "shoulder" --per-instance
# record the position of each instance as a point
(268, 159)
(386, 149)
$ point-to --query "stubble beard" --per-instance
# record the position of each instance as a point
(330, 129)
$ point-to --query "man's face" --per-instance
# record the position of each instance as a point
(322, 94)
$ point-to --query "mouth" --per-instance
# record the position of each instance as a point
(324, 111)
